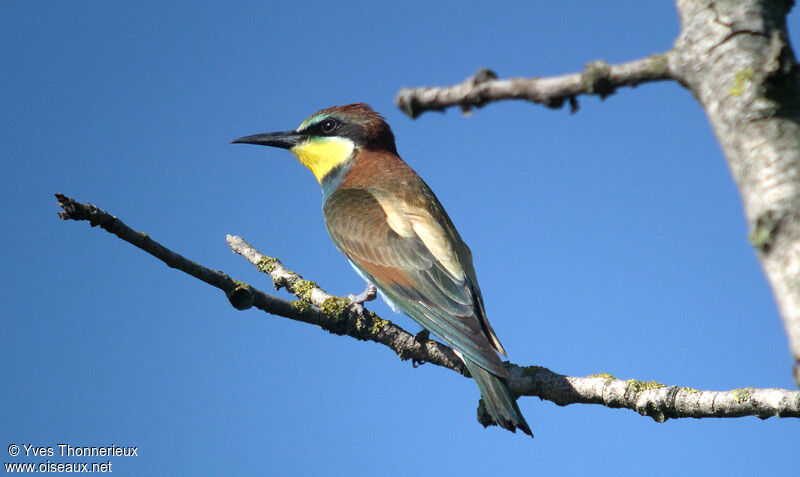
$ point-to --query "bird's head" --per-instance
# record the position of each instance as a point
(330, 137)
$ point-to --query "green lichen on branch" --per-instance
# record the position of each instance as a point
(764, 229)
(267, 264)
(368, 323)
(238, 285)
(334, 306)
(602, 375)
(741, 395)
(740, 81)
(302, 289)
(638, 386)
(377, 324)
(362, 326)
(300, 306)
(595, 79)
(688, 390)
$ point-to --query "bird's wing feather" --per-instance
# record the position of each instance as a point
(409, 256)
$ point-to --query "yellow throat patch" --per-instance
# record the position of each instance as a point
(322, 154)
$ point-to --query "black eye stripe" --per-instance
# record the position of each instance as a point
(324, 127)
(352, 131)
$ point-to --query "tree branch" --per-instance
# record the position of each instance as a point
(598, 78)
(331, 313)
(738, 63)
(336, 315)
(736, 59)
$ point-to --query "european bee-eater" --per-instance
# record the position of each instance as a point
(391, 227)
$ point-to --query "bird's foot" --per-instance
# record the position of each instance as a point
(422, 337)
(357, 301)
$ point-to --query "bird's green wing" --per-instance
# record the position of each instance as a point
(409, 255)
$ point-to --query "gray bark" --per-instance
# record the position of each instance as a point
(342, 316)
(735, 58)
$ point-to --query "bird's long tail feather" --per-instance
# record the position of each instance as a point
(500, 403)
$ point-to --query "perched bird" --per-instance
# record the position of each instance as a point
(391, 227)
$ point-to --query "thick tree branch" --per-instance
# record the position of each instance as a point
(599, 78)
(736, 59)
(738, 63)
(335, 314)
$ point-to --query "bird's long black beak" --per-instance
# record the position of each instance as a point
(284, 139)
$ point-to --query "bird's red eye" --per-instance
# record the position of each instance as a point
(328, 125)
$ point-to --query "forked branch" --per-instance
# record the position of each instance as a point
(737, 61)
(336, 315)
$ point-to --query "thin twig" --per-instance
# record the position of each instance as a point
(326, 311)
(598, 78)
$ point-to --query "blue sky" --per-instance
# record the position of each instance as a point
(611, 241)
